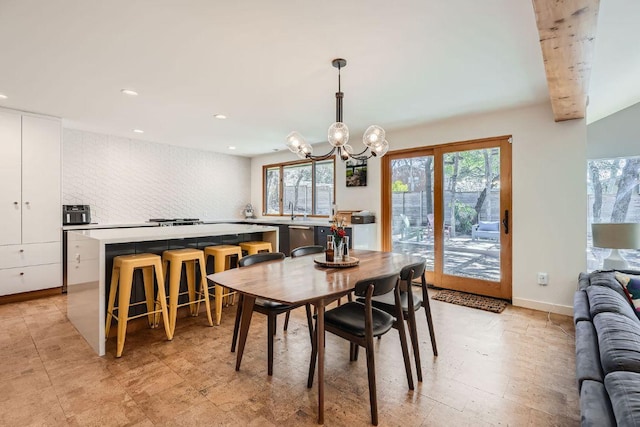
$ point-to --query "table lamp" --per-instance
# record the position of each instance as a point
(615, 236)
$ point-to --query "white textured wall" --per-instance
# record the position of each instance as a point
(127, 180)
(549, 193)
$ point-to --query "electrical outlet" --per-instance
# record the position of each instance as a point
(543, 279)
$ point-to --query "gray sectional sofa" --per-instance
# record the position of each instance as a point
(607, 351)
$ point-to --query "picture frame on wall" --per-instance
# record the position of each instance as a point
(356, 173)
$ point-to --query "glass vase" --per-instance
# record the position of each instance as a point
(338, 250)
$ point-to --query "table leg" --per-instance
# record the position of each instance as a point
(245, 322)
(320, 347)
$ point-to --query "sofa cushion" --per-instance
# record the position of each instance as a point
(580, 307)
(587, 355)
(607, 279)
(631, 286)
(619, 341)
(605, 300)
(624, 395)
(595, 407)
(488, 226)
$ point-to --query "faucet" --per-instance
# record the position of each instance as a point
(291, 207)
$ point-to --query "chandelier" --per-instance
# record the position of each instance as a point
(338, 136)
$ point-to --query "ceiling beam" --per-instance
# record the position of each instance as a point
(567, 30)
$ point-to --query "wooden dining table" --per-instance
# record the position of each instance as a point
(301, 280)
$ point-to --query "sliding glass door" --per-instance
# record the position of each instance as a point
(451, 204)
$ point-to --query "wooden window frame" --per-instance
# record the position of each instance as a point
(281, 167)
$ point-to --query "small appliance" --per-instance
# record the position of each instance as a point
(76, 214)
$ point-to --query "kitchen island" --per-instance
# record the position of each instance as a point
(90, 256)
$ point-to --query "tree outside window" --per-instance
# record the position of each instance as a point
(613, 196)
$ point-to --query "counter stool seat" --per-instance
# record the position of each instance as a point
(254, 247)
(173, 260)
(222, 261)
(121, 283)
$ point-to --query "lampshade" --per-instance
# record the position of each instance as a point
(624, 235)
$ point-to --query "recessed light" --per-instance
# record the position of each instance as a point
(231, 147)
(3, 96)
(138, 131)
(129, 92)
(220, 116)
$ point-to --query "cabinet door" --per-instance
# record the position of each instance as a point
(41, 165)
(10, 179)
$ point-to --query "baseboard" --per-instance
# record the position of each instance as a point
(566, 310)
(26, 296)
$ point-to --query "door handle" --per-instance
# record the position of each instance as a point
(505, 221)
(299, 227)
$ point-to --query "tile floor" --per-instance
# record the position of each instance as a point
(513, 368)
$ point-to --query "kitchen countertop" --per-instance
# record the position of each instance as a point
(95, 225)
(140, 234)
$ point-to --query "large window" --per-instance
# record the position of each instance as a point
(614, 196)
(305, 187)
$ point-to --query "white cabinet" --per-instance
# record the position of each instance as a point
(10, 178)
(30, 197)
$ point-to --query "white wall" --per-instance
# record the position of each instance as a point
(130, 181)
(549, 193)
(617, 135)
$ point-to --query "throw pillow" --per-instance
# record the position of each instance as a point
(631, 286)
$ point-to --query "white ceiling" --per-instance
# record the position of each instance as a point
(266, 65)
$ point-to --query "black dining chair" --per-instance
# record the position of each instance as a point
(410, 306)
(302, 251)
(359, 322)
(269, 308)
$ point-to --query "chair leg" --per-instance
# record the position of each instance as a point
(405, 350)
(352, 351)
(236, 326)
(427, 312)
(314, 357)
(204, 292)
(413, 334)
(124, 295)
(371, 374)
(286, 320)
(112, 300)
(190, 267)
(309, 321)
(271, 331)
(149, 294)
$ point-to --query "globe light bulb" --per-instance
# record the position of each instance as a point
(295, 141)
(373, 135)
(380, 149)
(338, 134)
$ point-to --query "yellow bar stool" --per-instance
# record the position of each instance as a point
(221, 261)
(256, 246)
(173, 260)
(121, 282)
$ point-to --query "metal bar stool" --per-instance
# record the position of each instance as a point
(256, 246)
(174, 259)
(121, 283)
(221, 261)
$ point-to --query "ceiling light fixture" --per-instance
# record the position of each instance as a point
(338, 135)
(231, 147)
(138, 131)
(3, 96)
(220, 116)
(129, 92)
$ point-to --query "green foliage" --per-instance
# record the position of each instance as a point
(399, 187)
(465, 216)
